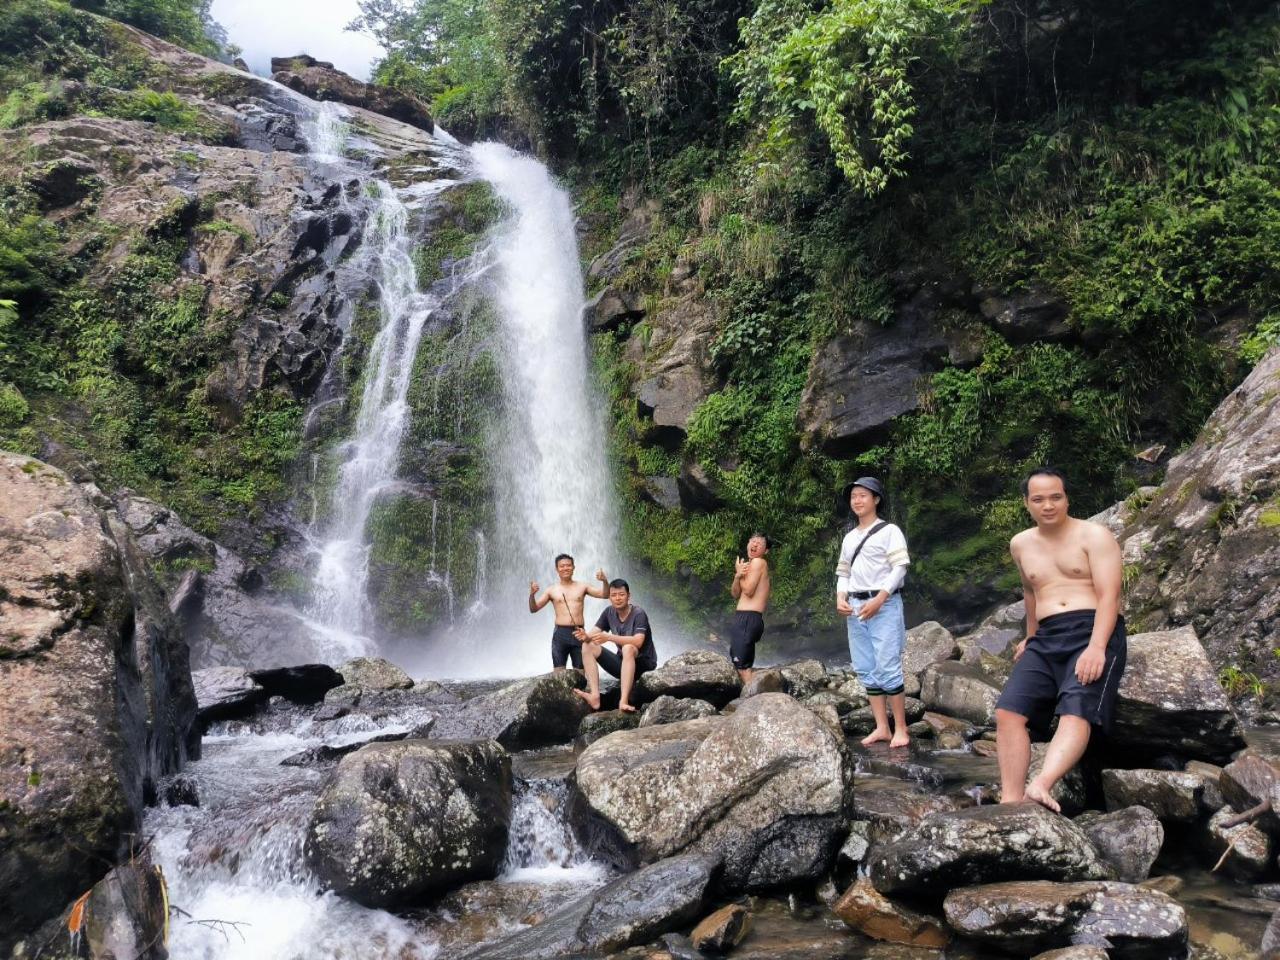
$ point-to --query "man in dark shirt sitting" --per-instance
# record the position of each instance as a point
(627, 626)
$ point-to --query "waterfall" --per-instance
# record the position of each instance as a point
(369, 459)
(549, 448)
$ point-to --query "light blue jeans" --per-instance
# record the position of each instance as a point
(875, 646)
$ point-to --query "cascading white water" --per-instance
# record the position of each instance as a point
(549, 451)
(370, 458)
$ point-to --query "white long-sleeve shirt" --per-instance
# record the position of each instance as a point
(880, 565)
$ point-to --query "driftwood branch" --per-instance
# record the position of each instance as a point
(1226, 853)
(1251, 814)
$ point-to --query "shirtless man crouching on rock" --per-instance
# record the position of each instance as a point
(1074, 653)
(567, 596)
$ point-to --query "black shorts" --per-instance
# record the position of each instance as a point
(611, 663)
(564, 647)
(745, 630)
(1044, 683)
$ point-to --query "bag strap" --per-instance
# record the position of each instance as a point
(871, 533)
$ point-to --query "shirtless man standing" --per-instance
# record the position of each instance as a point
(1074, 653)
(567, 595)
(751, 589)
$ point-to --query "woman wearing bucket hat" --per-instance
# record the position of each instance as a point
(873, 564)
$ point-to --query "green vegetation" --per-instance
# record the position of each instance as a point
(810, 155)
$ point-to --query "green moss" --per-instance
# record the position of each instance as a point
(226, 226)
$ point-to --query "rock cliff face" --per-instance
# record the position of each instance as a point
(1206, 549)
(96, 702)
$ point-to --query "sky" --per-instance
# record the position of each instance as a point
(282, 28)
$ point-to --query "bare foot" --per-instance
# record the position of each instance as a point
(877, 736)
(1041, 796)
(900, 739)
(626, 708)
(593, 701)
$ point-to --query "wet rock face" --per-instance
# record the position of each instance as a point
(597, 725)
(400, 821)
(1128, 921)
(667, 709)
(374, 673)
(959, 690)
(698, 674)
(529, 713)
(1171, 702)
(1251, 848)
(1129, 840)
(763, 788)
(983, 844)
(866, 910)
(1171, 795)
(633, 909)
(224, 692)
(323, 81)
(1251, 779)
(723, 930)
(94, 710)
(928, 643)
(1207, 541)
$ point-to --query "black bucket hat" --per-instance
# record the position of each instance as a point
(870, 483)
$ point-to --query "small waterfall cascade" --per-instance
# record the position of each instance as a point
(541, 845)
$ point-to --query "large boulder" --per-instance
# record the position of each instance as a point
(1205, 546)
(1129, 840)
(1250, 847)
(633, 909)
(764, 788)
(698, 674)
(1171, 702)
(96, 704)
(892, 806)
(305, 683)
(323, 81)
(1129, 921)
(223, 692)
(1171, 795)
(374, 673)
(528, 713)
(675, 370)
(670, 710)
(959, 690)
(400, 821)
(927, 644)
(984, 845)
(1253, 779)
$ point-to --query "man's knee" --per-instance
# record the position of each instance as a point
(628, 652)
(1008, 720)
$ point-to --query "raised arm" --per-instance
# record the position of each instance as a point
(601, 592)
(536, 602)
(754, 574)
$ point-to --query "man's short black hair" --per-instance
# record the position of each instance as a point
(563, 556)
(1043, 472)
(768, 544)
(619, 584)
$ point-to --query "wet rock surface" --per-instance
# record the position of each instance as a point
(1127, 920)
(698, 674)
(1171, 702)
(1129, 840)
(528, 713)
(96, 707)
(927, 644)
(399, 821)
(223, 692)
(723, 930)
(322, 81)
(959, 690)
(1170, 794)
(764, 789)
(633, 909)
(597, 725)
(374, 673)
(872, 914)
(984, 844)
(666, 709)
(305, 683)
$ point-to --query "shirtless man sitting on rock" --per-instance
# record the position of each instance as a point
(567, 596)
(1073, 656)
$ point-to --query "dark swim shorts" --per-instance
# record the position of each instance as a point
(611, 663)
(565, 647)
(1044, 683)
(745, 630)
